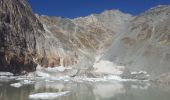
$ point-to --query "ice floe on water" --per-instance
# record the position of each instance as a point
(21, 83)
(54, 69)
(47, 77)
(105, 81)
(105, 71)
(138, 72)
(99, 79)
(57, 74)
(17, 85)
(60, 69)
(48, 95)
(42, 74)
(6, 74)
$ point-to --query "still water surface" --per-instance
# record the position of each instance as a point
(87, 91)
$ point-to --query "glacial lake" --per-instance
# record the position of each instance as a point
(113, 90)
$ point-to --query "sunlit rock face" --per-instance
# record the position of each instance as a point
(28, 39)
(80, 40)
(145, 44)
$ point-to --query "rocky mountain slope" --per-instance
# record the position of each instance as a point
(19, 30)
(145, 44)
(28, 39)
(98, 42)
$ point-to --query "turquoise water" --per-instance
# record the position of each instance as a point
(87, 91)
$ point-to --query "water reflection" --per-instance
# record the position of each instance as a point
(106, 91)
(86, 91)
(10, 93)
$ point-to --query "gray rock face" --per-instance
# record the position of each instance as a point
(145, 44)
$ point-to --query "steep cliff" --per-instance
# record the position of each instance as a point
(19, 29)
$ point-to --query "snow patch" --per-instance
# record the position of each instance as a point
(97, 58)
(46, 29)
(47, 95)
(108, 67)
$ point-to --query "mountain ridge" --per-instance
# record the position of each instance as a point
(136, 42)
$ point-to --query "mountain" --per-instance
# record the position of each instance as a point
(145, 45)
(111, 42)
(28, 39)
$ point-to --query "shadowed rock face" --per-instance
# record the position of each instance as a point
(18, 31)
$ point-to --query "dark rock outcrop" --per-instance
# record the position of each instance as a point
(18, 31)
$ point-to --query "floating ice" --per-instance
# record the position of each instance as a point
(42, 74)
(100, 79)
(139, 72)
(107, 71)
(6, 74)
(47, 95)
(80, 79)
(17, 85)
(140, 75)
(21, 83)
(27, 82)
(114, 77)
(55, 69)
(6, 78)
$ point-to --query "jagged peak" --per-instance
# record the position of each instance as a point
(160, 6)
(105, 12)
(115, 11)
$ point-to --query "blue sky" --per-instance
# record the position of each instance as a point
(77, 8)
